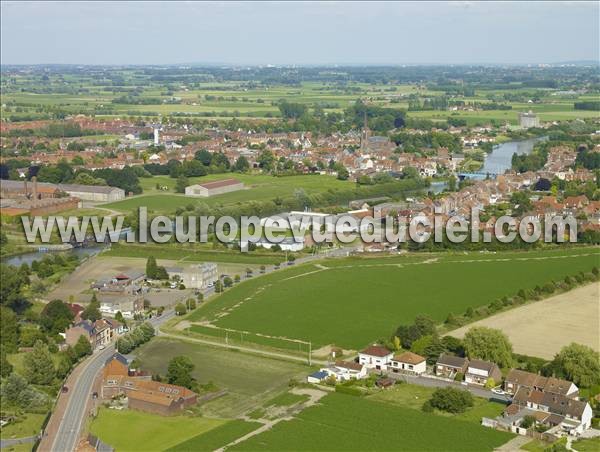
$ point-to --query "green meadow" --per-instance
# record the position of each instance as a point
(371, 297)
(257, 188)
(343, 422)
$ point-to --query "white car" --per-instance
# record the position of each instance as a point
(498, 391)
(102, 347)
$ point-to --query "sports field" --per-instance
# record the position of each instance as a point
(343, 422)
(543, 328)
(372, 296)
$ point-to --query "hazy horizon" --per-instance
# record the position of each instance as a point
(299, 33)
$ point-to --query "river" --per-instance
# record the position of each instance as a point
(28, 258)
(500, 159)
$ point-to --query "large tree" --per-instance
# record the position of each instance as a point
(56, 317)
(92, 310)
(578, 363)
(179, 372)
(488, 344)
(38, 366)
(9, 329)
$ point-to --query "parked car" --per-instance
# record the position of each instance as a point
(498, 391)
(64, 389)
(102, 347)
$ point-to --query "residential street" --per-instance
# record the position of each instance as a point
(71, 413)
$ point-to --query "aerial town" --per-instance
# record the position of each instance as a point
(324, 328)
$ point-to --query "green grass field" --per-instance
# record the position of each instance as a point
(217, 437)
(258, 188)
(342, 422)
(193, 254)
(28, 424)
(587, 445)
(131, 430)
(249, 380)
(371, 297)
(413, 396)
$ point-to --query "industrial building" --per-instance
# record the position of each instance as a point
(198, 276)
(98, 193)
(214, 188)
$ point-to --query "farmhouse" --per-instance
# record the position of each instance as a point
(142, 393)
(517, 379)
(448, 365)
(40, 190)
(481, 372)
(408, 362)
(375, 357)
(214, 188)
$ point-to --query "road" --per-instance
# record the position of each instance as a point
(79, 394)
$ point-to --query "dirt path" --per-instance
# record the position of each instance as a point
(543, 328)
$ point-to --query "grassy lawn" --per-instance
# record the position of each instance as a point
(342, 422)
(217, 437)
(301, 303)
(131, 430)
(413, 396)
(249, 380)
(587, 445)
(29, 424)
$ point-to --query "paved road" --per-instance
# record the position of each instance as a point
(70, 426)
(80, 393)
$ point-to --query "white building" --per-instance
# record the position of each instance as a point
(217, 187)
(528, 120)
(198, 276)
(375, 357)
(408, 362)
(345, 370)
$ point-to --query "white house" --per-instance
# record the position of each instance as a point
(375, 357)
(408, 362)
(479, 372)
(346, 370)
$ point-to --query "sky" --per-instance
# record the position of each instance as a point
(301, 33)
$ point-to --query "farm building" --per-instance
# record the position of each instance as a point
(214, 188)
(142, 393)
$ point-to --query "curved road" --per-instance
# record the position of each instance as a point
(79, 394)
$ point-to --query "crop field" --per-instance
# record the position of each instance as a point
(249, 380)
(372, 296)
(258, 188)
(571, 317)
(343, 422)
(131, 430)
(217, 437)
